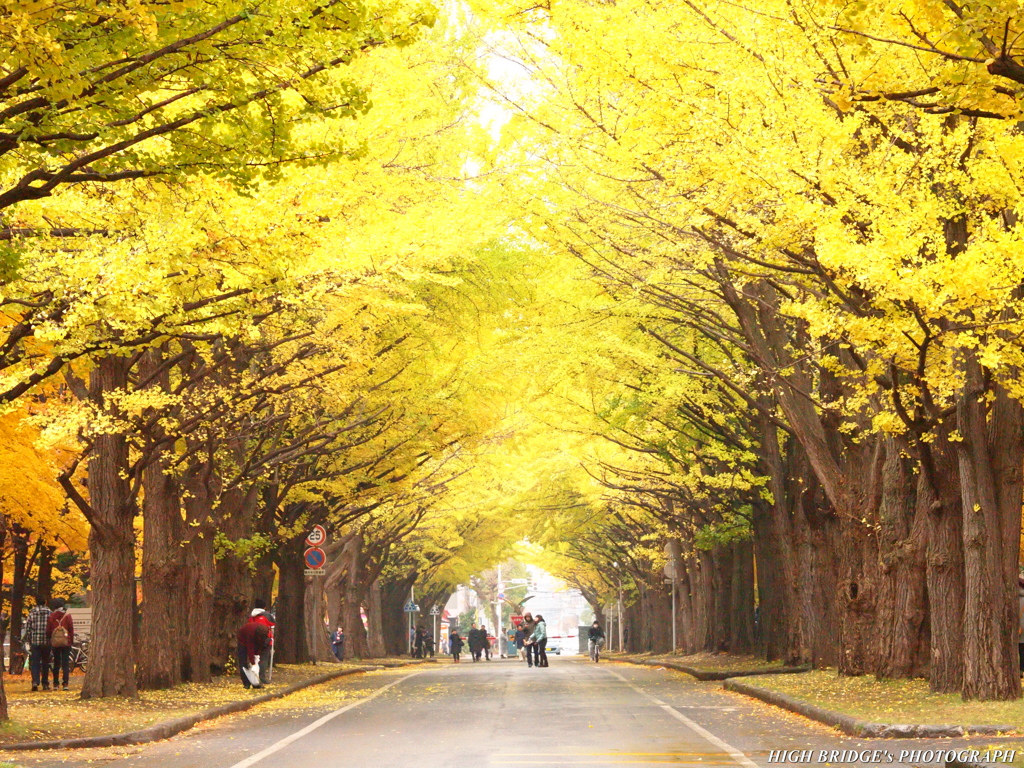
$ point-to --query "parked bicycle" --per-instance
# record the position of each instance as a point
(79, 655)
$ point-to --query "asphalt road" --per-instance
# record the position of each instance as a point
(497, 713)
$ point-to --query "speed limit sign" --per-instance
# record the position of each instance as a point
(317, 537)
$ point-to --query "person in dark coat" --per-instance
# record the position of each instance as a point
(338, 644)
(253, 641)
(519, 638)
(455, 645)
(417, 643)
(476, 647)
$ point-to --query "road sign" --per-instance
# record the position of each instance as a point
(435, 611)
(315, 572)
(516, 619)
(315, 558)
(317, 536)
(411, 607)
(501, 595)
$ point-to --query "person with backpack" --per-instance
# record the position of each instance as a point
(60, 629)
(34, 634)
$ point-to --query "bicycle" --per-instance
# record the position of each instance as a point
(595, 650)
(79, 655)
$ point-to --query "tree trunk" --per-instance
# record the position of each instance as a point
(233, 576)
(375, 631)
(19, 541)
(199, 575)
(162, 632)
(290, 645)
(991, 455)
(111, 669)
(318, 638)
(4, 716)
(44, 577)
(741, 619)
(939, 502)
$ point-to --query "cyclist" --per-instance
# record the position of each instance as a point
(595, 638)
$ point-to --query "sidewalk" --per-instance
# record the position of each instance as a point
(41, 720)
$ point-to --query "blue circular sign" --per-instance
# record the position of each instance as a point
(315, 558)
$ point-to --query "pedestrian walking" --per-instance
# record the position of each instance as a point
(253, 644)
(261, 616)
(455, 645)
(60, 631)
(338, 643)
(417, 643)
(528, 626)
(540, 641)
(34, 634)
(485, 642)
(473, 639)
(428, 643)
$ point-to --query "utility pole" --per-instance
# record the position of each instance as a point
(499, 631)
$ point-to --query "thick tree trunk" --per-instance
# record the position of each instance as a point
(199, 576)
(162, 632)
(233, 576)
(290, 646)
(741, 609)
(991, 457)
(393, 597)
(375, 631)
(902, 614)
(317, 635)
(111, 669)
(939, 502)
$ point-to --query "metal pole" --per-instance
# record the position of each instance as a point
(437, 642)
(498, 629)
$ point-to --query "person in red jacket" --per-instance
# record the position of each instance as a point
(60, 648)
(260, 616)
(253, 641)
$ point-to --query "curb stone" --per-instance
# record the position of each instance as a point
(851, 726)
(168, 728)
(703, 674)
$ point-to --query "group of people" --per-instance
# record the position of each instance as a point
(422, 643)
(256, 647)
(531, 640)
(477, 639)
(49, 632)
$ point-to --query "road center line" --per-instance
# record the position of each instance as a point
(252, 760)
(730, 750)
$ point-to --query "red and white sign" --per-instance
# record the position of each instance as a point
(317, 537)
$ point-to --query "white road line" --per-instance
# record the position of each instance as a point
(316, 724)
(730, 750)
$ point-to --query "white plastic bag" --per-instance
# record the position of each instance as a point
(253, 673)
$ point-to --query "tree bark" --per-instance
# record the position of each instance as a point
(991, 455)
(162, 632)
(375, 631)
(111, 669)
